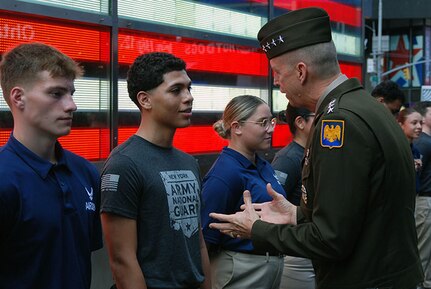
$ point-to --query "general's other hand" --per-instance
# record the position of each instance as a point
(277, 211)
(237, 225)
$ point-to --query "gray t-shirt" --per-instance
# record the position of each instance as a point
(160, 189)
(288, 167)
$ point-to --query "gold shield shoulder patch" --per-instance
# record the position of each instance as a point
(332, 133)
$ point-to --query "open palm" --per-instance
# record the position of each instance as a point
(277, 211)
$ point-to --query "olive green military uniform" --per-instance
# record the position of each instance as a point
(356, 220)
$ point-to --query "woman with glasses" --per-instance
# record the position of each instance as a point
(298, 272)
(247, 124)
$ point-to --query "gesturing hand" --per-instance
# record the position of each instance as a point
(277, 211)
(237, 225)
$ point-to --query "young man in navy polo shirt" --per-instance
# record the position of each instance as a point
(49, 197)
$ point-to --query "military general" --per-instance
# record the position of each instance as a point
(356, 219)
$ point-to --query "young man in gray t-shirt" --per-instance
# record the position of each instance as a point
(423, 198)
(151, 191)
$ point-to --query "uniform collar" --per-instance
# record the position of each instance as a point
(245, 162)
(340, 79)
(39, 165)
(346, 86)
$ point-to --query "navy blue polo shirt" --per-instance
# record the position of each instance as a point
(416, 156)
(222, 192)
(49, 219)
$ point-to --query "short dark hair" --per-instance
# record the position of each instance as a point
(147, 72)
(291, 113)
(422, 106)
(389, 90)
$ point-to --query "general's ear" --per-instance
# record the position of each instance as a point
(144, 100)
(16, 97)
(301, 70)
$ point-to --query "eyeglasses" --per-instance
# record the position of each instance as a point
(265, 123)
(309, 115)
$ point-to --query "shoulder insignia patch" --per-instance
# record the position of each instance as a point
(331, 106)
(304, 194)
(332, 133)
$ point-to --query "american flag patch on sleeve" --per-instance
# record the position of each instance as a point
(109, 182)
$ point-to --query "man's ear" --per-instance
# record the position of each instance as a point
(144, 100)
(380, 99)
(16, 97)
(301, 70)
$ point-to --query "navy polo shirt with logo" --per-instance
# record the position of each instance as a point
(49, 219)
(222, 192)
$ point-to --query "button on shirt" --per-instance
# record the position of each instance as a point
(49, 220)
(223, 188)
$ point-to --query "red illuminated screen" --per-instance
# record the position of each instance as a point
(338, 12)
(77, 42)
(88, 44)
(199, 55)
(87, 142)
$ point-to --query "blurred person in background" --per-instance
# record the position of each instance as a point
(298, 272)
(390, 95)
(423, 198)
(411, 123)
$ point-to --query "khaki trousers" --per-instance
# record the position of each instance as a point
(234, 270)
(423, 228)
(298, 273)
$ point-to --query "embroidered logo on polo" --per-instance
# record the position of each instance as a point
(332, 133)
(182, 189)
(281, 177)
(90, 206)
(90, 193)
(266, 47)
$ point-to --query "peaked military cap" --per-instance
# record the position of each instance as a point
(293, 30)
